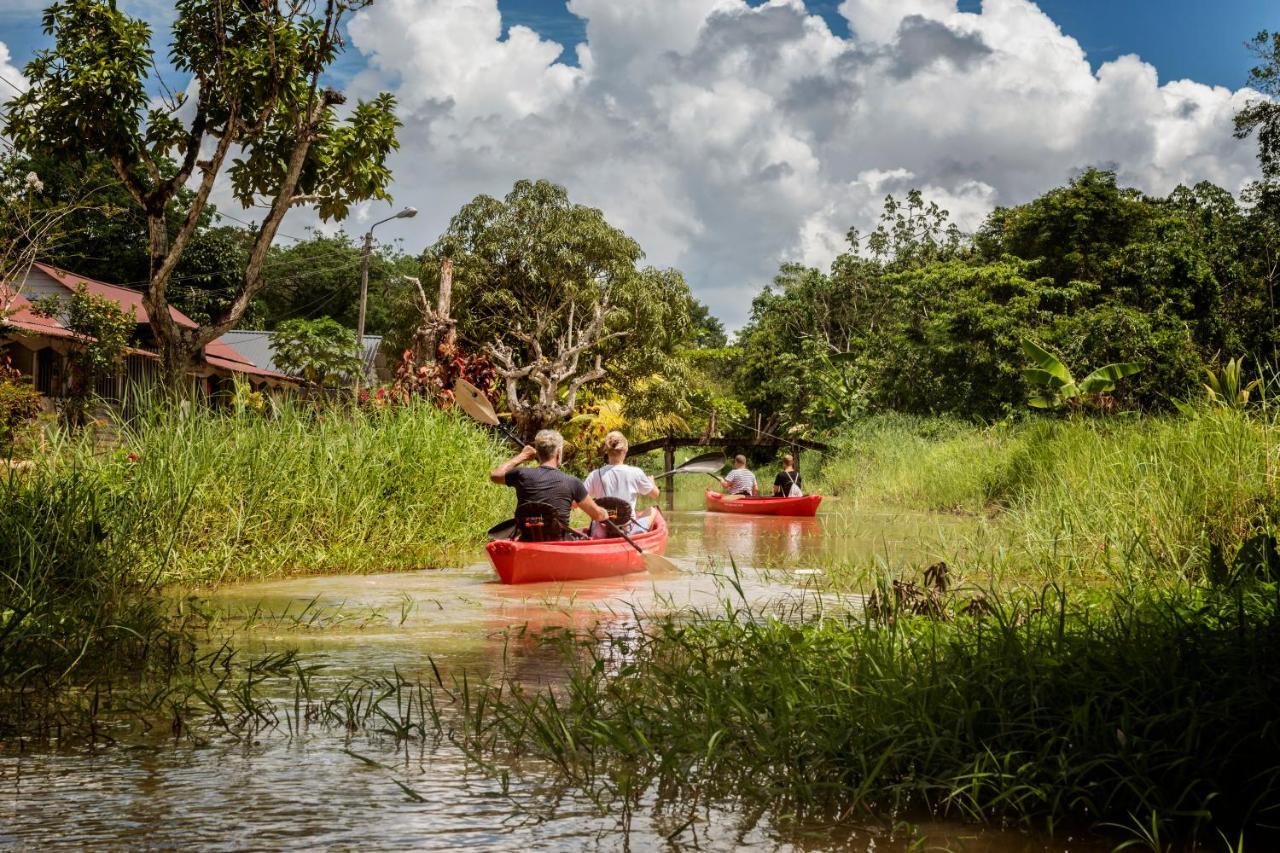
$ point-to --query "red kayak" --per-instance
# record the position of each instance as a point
(806, 506)
(574, 560)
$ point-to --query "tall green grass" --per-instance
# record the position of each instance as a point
(303, 491)
(1160, 492)
(1132, 709)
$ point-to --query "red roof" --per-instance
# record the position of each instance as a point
(22, 317)
(129, 300)
(216, 353)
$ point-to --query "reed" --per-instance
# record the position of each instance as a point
(1149, 712)
(303, 491)
(1161, 492)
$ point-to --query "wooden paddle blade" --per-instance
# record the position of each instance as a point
(472, 401)
(659, 565)
(733, 497)
(503, 529)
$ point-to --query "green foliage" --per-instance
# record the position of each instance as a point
(1050, 709)
(261, 113)
(318, 350)
(1160, 491)
(1263, 115)
(521, 263)
(320, 277)
(237, 497)
(1095, 272)
(103, 332)
(1226, 387)
(1053, 385)
(19, 403)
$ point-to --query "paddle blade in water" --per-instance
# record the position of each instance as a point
(659, 565)
(474, 402)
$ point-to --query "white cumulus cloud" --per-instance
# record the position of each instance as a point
(729, 138)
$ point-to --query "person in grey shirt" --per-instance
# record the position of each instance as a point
(740, 481)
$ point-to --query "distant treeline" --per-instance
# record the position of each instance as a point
(917, 317)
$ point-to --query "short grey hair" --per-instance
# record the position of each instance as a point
(548, 443)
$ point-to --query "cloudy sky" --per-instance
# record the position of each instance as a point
(730, 136)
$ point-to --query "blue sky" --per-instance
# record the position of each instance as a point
(729, 140)
(1198, 39)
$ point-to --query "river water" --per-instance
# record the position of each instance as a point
(330, 789)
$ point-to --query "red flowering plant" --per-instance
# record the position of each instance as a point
(434, 380)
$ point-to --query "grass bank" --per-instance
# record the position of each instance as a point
(1159, 492)
(89, 538)
(1151, 712)
(239, 497)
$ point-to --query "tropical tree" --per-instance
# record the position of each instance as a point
(1053, 386)
(554, 291)
(317, 350)
(261, 112)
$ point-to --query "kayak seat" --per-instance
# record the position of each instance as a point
(619, 510)
(538, 522)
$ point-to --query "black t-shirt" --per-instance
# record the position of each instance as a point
(782, 482)
(549, 486)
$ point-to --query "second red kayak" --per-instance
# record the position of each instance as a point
(806, 506)
(575, 559)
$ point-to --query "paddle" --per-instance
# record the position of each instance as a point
(502, 530)
(707, 463)
(652, 562)
(473, 401)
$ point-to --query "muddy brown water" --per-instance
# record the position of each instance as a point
(310, 791)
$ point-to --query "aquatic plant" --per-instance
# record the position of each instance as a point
(1139, 709)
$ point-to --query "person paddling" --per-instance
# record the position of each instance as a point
(615, 479)
(740, 481)
(547, 483)
(787, 483)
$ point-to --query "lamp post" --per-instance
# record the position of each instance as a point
(407, 213)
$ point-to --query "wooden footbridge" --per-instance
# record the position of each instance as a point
(731, 444)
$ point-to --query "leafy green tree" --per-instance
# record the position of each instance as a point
(320, 350)
(103, 331)
(320, 277)
(1262, 115)
(555, 292)
(261, 110)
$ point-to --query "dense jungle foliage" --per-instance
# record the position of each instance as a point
(918, 318)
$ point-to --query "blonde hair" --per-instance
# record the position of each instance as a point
(740, 460)
(788, 460)
(616, 442)
(548, 443)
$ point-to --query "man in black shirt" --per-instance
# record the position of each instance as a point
(546, 483)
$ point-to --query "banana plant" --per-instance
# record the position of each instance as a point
(1053, 386)
(1227, 388)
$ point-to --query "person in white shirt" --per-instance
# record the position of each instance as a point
(615, 479)
(740, 481)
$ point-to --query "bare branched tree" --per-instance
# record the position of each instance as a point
(534, 389)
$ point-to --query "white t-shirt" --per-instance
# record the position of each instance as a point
(619, 481)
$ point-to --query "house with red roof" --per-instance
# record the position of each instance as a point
(38, 345)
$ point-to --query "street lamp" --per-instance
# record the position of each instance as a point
(407, 213)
